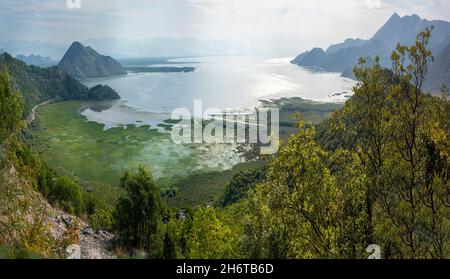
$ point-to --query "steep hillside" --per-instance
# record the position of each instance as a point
(348, 43)
(439, 72)
(405, 29)
(347, 58)
(29, 225)
(84, 62)
(38, 85)
(310, 58)
(348, 73)
(343, 57)
(36, 60)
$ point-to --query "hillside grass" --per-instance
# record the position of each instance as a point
(204, 187)
(311, 111)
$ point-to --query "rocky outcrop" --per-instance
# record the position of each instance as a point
(92, 244)
(27, 220)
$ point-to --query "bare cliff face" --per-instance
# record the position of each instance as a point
(84, 62)
(28, 221)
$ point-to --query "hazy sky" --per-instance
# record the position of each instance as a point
(273, 25)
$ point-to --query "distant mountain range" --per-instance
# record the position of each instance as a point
(342, 59)
(344, 56)
(37, 60)
(439, 72)
(405, 29)
(44, 49)
(84, 62)
(346, 44)
(41, 84)
(160, 69)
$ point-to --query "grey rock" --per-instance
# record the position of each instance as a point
(88, 231)
(67, 219)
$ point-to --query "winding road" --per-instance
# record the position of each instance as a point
(32, 115)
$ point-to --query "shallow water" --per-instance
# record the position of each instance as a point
(219, 82)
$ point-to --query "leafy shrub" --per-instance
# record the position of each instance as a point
(45, 181)
(138, 214)
(101, 219)
(240, 185)
(68, 195)
(11, 107)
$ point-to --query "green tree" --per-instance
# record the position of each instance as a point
(171, 240)
(209, 238)
(400, 137)
(45, 181)
(354, 222)
(11, 108)
(138, 214)
(68, 195)
(413, 207)
(102, 218)
(383, 178)
(294, 212)
(239, 186)
(364, 119)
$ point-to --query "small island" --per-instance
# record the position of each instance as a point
(160, 69)
(102, 92)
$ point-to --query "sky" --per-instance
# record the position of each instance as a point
(264, 26)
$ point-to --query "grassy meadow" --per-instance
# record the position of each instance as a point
(189, 175)
(97, 158)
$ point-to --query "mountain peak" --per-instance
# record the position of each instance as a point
(317, 50)
(395, 16)
(84, 62)
(405, 29)
(76, 45)
(414, 16)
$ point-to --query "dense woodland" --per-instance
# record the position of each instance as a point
(376, 172)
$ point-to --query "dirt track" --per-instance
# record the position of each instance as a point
(32, 115)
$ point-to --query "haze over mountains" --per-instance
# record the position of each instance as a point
(439, 72)
(45, 49)
(344, 56)
(84, 62)
(37, 60)
(127, 48)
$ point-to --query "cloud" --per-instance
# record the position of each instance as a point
(282, 26)
(373, 4)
